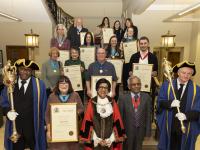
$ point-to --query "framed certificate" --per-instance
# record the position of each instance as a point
(94, 80)
(85, 52)
(64, 127)
(64, 55)
(118, 64)
(73, 72)
(107, 33)
(143, 71)
(129, 49)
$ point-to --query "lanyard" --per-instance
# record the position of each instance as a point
(136, 103)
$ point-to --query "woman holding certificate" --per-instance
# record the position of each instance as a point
(102, 127)
(99, 33)
(60, 38)
(51, 70)
(63, 93)
(75, 60)
(113, 50)
(130, 37)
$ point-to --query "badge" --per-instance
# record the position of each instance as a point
(59, 45)
(136, 110)
(54, 71)
(101, 71)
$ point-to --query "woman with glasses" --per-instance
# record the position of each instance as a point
(63, 93)
(60, 38)
(102, 127)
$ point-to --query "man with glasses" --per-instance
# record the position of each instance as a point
(101, 68)
(29, 103)
(135, 109)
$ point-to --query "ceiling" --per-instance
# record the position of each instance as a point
(35, 11)
(26, 10)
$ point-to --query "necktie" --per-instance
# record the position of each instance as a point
(137, 115)
(21, 90)
(136, 97)
(180, 91)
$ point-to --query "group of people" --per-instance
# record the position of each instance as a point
(110, 121)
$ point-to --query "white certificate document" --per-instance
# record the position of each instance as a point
(143, 71)
(64, 127)
(118, 64)
(94, 80)
(73, 72)
(64, 55)
(129, 49)
(87, 55)
(107, 33)
(82, 36)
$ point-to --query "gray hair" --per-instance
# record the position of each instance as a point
(61, 26)
(133, 77)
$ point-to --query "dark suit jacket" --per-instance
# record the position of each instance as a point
(152, 59)
(74, 36)
(127, 112)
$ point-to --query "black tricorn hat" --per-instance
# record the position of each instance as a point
(184, 64)
(26, 63)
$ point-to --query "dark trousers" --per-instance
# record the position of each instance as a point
(175, 141)
(25, 128)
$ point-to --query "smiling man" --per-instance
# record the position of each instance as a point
(135, 109)
(29, 102)
(188, 101)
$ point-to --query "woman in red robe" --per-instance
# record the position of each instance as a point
(102, 127)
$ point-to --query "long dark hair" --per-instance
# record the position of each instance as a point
(108, 49)
(92, 39)
(115, 23)
(103, 24)
(63, 79)
(131, 22)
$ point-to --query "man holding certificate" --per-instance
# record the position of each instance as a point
(144, 56)
(101, 68)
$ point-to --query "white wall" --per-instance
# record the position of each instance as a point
(151, 25)
(93, 12)
(13, 34)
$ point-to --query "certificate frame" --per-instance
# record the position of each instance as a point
(64, 55)
(94, 80)
(129, 49)
(118, 64)
(85, 52)
(73, 72)
(107, 33)
(58, 119)
(143, 71)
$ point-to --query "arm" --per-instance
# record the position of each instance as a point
(148, 115)
(89, 93)
(44, 75)
(114, 83)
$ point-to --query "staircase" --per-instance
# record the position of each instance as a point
(151, 143)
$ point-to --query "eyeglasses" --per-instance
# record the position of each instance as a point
(103, 87)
